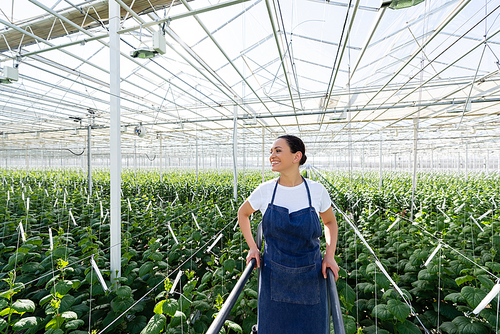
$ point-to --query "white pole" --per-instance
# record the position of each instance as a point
(196, 155)
(235, 153)
(466, 162)
(89, 158)
(263, 150)
(487, 161)
(161, 159)
(380, 164)
(115, 149)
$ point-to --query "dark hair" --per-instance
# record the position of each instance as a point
(296, 144)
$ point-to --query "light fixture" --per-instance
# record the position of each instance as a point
(9, 74)
(159, 47)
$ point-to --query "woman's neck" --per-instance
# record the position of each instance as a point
(290, 179)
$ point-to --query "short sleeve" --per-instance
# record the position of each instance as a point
(255, 199)
(326, 201)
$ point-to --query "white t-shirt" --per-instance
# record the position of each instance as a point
(292, 198)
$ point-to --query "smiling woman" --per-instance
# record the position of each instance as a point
(292, 291)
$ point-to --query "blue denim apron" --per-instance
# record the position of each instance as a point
(292, 290)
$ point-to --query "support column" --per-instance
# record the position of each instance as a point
(466, 162)
(263, 150)
(414, 181)
(89, 158)
(161, 159)
(197, 156)
(115, 140)
(380, 164)
(235, 153)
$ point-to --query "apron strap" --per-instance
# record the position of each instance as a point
(274, 192)
(308, 193)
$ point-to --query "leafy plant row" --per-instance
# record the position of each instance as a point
(458, 217)
(53, 288)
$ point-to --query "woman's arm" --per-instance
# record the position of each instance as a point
(244, 213)
(331, 231)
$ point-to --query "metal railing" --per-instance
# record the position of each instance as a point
(338, 322)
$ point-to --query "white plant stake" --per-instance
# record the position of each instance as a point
(46, 192)
(99, 275)
(149, 204)
(72, 217)
(27, 205)
(374, 212)
(392, 225)
(381, 267)
(457, 210)
(102, 213)
(433, 254)
(51, 240)
(106, 216)
(176, 281)
(55, 202)
(220, 213)
(475, 221)
(21, 228)
(173, 235)
(22, 195)
(129, 207)
(209, 249)
(64, 199)
(485, 214)
(8, 196)
(196, 222)
(486, 300)
(443, 213)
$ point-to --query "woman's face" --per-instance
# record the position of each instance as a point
(281, 157)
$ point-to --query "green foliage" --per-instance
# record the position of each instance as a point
(52, 290)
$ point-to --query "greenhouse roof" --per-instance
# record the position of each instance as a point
(336, 73)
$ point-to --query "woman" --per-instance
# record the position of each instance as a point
(292, 286)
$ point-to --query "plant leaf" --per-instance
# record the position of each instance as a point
(73, 324)
(25, 323)
(23, 305)
(380, 311)
(233, 326)
(473, 296)
(124, 291)
(155, 324)
(146, 268)
(399, 309)
(407, 327)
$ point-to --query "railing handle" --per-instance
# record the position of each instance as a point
(338, 321)
(217, 324)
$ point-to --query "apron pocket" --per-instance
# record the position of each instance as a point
(294, 285)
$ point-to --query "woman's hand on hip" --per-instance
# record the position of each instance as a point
(254, 253)
(329, 262)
